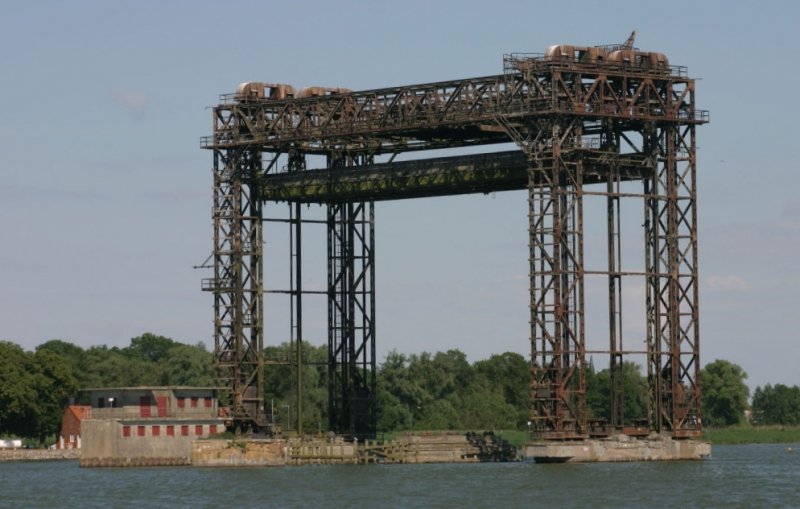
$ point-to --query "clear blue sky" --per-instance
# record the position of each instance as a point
(105, 194)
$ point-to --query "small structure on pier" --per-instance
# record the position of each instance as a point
(148, 426)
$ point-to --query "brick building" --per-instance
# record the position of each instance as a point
(70, 435)
(138, 426)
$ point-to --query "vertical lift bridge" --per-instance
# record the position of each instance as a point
(585, 120)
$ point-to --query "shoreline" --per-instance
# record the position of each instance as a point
(750, 435)
(735, 435)
(7, 455)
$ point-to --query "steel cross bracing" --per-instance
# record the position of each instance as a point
(582, 129)
(453, 113)
(237, 285)
(351, 314)
(672, 291)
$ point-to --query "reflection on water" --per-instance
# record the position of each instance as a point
(735, 476)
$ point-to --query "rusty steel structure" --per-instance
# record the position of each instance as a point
(586, 121)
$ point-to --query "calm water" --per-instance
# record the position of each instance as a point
(736, 476)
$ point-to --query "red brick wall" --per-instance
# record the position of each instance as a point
(70, 426)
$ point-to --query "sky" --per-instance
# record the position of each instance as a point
(105, 197)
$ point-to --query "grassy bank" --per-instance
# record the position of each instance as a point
(752, 435)
(718, 436)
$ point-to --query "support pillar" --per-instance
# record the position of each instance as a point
(238, 286)
(672, 292)
(555, 197)
(351, 315)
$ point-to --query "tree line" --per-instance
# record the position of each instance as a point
(35, 387)
(425, 391)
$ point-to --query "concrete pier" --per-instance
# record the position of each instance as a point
(410, 448)
(271, 452)
(617, 449)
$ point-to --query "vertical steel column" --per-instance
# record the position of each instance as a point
(671, 236)
(298, 309)
(297, 163)
(555, 194)
(615, 287)
(652, 228)
(351, 314)
(238, 285)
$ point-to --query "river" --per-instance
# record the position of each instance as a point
(735, 476)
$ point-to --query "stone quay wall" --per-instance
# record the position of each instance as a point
(39, 454)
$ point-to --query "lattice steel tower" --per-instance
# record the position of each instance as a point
(587, 121)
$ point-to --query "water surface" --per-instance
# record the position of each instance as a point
(735, 476)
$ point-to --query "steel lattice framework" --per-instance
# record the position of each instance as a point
(238, 284)
(582, 128)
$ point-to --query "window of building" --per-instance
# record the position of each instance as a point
(198, 430)
(144, 406)
(140, 431)
(213, 429)
(156, 431)
(207, 402)
(161, 406)
(101, 402)
(194, 402)
(181, 402)
(184, 431)
(126, 431)
(170, 431)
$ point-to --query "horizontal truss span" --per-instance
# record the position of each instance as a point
(453, 113)
(442, 176)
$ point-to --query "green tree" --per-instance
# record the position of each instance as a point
(149, 347)
(55, 385)
(487, 410)
(398, 394)
(315, 388)
(778, 404)
(508, 375)
(724, 396)
(634, 390)
(110, 367)
(73, 353)
(35, 387)
(443, 391)
(440, 375)
(437, 414)
(189, 365)
(393, 414)
(280, 379)
(18, 397)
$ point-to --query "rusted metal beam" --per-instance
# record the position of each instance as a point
(443, 176)
(392, 119)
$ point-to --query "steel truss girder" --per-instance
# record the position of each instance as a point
(237, 285)
(351, 316)
(443, 176)
(453, 113)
